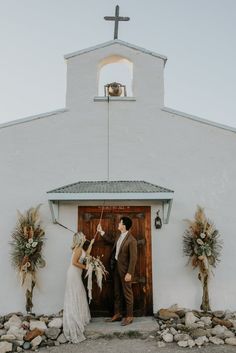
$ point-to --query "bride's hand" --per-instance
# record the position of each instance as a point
(99, 228)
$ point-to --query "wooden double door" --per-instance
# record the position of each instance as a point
(88, 219)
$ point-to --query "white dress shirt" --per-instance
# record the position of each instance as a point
(119, 242)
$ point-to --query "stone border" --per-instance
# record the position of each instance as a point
(187, 328)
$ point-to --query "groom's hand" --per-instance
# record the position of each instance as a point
(128, 277)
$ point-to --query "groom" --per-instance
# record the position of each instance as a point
(125, 251)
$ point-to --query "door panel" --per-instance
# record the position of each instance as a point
(88, 219)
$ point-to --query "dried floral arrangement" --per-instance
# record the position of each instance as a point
(202, 245)
(26, 251)
(94, 265)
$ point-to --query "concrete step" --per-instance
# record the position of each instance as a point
(141, 327)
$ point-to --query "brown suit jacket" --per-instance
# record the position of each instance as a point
(127, 256)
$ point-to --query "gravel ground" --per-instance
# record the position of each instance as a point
(133, 346)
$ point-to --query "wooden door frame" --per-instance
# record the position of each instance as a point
(148, 288)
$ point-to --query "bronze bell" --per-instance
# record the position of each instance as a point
(115, 89)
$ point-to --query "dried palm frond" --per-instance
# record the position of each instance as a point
(203, 247)
(26, 249)
(201, 238)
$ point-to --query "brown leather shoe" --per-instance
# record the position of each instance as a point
(128, 320)
(116, 317)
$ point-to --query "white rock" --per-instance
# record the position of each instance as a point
(44, 319)
(167, 330)
(233, 322)
(57, 322)
(231, 341)
(173, 331)
(26, 324)
(37, 324)
(8, 337)
(206, 320)
(228, 334)
(228, 314)
(191, 343)
(198, 324)
(19, 342)
(168, 337)
(17, 332)
(13, 321)
(182, 337)
(5, 347)
(161, 344)
(190, 318)
(62, 338)
(216, 340)
(183, 343)
(218, 330)
(174, 307)
(200, 340)
(36, 341)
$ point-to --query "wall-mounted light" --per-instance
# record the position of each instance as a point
(158, 221)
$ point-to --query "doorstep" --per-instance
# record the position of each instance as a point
(141, 327)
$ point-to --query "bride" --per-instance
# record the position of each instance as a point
(76, 312)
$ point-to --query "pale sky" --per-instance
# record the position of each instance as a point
(197, 36)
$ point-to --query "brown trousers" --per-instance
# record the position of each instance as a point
(122, 290)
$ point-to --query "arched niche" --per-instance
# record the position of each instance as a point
(115, 69)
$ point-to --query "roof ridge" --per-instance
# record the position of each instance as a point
(113, 182)
(147, 182)
(199, 119)
(32, 117)
(115, 41)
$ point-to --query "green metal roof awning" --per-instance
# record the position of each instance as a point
(110, 190)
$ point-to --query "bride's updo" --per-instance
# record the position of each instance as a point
(78, 240)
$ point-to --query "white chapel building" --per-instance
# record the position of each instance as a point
(125, 155)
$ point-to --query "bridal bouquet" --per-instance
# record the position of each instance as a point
(94, 265)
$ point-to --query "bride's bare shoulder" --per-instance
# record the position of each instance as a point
(77, 250)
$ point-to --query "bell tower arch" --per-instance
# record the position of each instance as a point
(115, 69)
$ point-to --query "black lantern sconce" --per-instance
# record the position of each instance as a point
(158, 221)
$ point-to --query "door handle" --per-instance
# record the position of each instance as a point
(141, 241)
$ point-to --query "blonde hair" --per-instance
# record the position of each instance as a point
(78, 240)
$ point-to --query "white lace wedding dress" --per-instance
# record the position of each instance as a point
(76, 312)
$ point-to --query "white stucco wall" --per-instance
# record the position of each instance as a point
(146, 143)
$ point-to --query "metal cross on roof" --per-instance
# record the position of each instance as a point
(116, 18)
